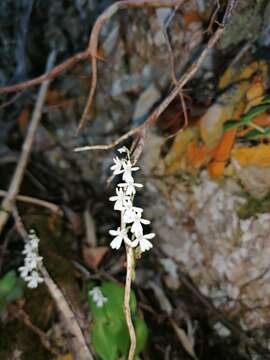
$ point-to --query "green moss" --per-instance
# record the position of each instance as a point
(254, 206)
(246, 23)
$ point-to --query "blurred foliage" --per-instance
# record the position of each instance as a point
(11, 288)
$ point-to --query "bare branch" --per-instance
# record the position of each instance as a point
(49, 75)
(81, 350)
(30, 200)
(8, 202)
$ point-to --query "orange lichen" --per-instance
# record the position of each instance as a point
(258, 155)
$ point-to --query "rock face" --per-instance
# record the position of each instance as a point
(198, 222)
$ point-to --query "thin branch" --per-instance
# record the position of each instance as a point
(22, 315)
(31, 200)
(71, 323)
(235, 329)
(9, 200)
(49, 75)
(174, 80)
(81, 350)
(11, 101)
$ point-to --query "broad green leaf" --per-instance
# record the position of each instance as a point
(104, 342)
(123, 340)
(115, 304)
(99, 313)
(109, 331)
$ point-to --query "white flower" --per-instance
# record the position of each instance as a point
(144, 243)
(28, 248)
(98, 297)
(120, 236)
(24, 270)
(221, 330)
(136, 227)
(130, 187)
(117, 167)
(32, 260)
(123, 150)
(127, 173)
(121, 200)
(130, 213)
(33, 279)
(29, 271)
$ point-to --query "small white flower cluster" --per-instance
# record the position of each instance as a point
(29, 271)
(131, 216)
(98, 297)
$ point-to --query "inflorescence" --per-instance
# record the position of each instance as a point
(131, 230)
(29, 271)
(97, 296)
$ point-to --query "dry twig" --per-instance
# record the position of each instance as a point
(9, 200)
(78, 342)
(235, 329)
(22, 315)
(31, 200)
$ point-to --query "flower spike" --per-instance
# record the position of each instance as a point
(131, 216)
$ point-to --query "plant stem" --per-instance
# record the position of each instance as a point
(131, 330)
(130, 266)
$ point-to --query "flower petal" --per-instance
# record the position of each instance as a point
(116, 243)
(145, 245)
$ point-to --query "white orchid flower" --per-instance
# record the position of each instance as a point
(122, 200)
(117, 167)
(144, 242)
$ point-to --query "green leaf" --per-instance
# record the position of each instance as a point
(7, 283)
(247, 118)
(115, 304)
(266, 99)
(231, 124)
(123, 340)
(253, 134)
(11, 288)
(104, 342)
(98, 313)
(15, 294)
(141, 334)
(109, 331)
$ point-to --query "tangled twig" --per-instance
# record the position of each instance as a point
(178, 87)
(92, 50)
